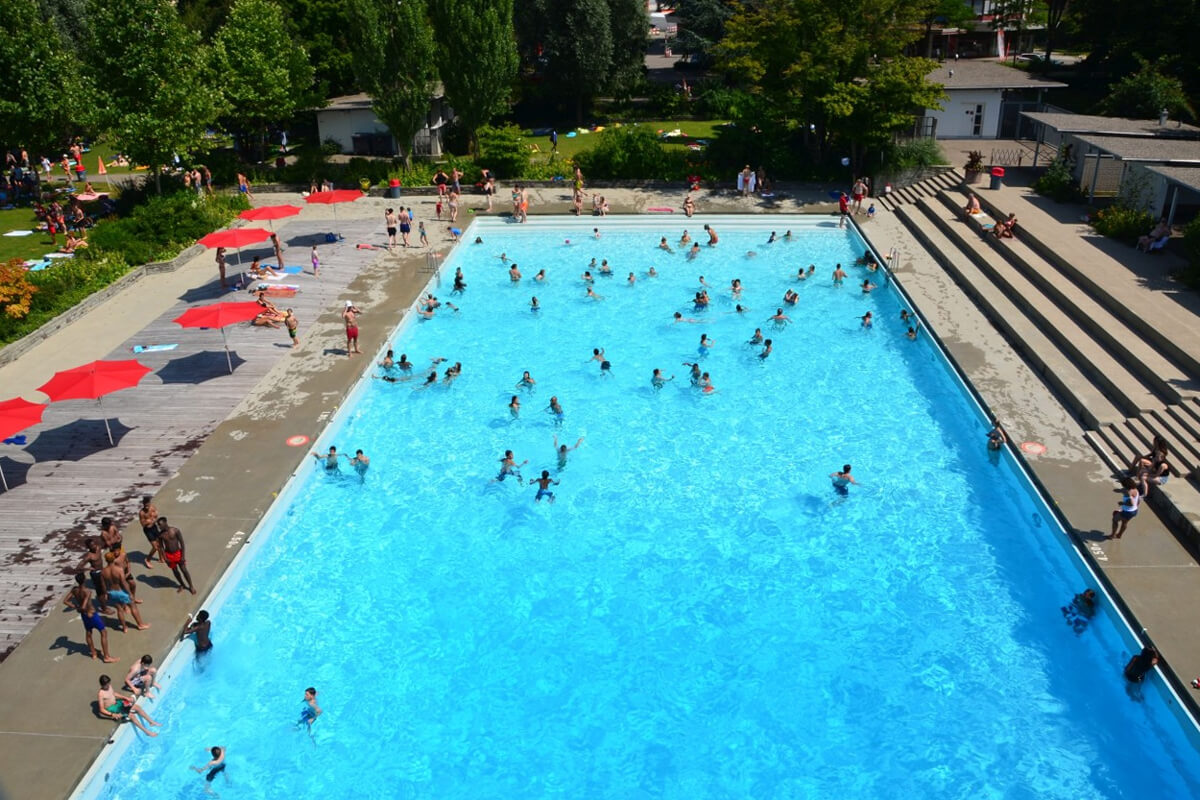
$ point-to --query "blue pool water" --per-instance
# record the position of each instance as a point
(699, 615)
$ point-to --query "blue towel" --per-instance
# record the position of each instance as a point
(20, 439)
(152, 348)
(293, 270)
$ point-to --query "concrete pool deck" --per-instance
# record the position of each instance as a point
(48, 729)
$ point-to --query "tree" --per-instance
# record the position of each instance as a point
(827, 68)
(1016, 16)
(70, 19)
(43, 97)
(569, 45)
(324, 27)
(159, 96)
(944, 14)
(477, 53)
(394, 61)
(630, 28)
(700, 24)
(1144, 94)
(265, 74)
(1056, 10)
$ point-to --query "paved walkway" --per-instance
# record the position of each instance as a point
(216, 493)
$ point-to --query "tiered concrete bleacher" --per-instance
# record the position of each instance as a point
(926, 188)
(1110, 359)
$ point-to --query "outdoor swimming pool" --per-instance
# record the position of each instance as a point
(699, 614)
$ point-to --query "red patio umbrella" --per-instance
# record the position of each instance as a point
(269, 213)
(237, 238)
(15, 416)
(219, 315)
(93, 381)
(333, 198)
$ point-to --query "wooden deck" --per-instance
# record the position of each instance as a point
(68, 476)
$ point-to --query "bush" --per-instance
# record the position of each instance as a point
(331, 147)
(714, 100)
(910, 153)
(503, 151)
(160, 228)
(1120, 222)
(1058, 183)
(60, 288)
(631, 152)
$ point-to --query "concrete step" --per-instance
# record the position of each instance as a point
(1151, 315)
(1111, 453)
(1188, 416)
(1137, 355)
(1185, 449)
(1123, 389)
(1055, 367)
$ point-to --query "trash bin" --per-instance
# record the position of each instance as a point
(997, 177)
(393, 190)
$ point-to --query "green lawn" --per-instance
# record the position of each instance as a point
(568, 148)
(23, 247)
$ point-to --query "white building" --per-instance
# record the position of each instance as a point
(351, 122)
(983, 99)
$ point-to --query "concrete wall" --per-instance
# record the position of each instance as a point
(956, 120)
(342, 125)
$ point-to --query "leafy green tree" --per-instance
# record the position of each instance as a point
(204, 16)
(831, 71)
(324, 27)
(630, 27)
(477, 56)
(944, 14)
(394, 61)
(1015, 17)
(1145, 93)
(70, 19)
(700, 25)
(43, 96)
(159, 95)
(265, 74)
(569, 45)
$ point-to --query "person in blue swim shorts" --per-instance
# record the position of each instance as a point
(543, 484)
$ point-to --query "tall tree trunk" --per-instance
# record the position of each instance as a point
(158, 178)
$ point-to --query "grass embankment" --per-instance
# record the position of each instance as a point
(569, 147)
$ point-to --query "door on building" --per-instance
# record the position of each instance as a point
(974, 112)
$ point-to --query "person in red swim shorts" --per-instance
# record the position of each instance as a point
(171, 539)
(350, 317)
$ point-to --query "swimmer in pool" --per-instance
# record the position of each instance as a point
(779, 318)
(658, 381)
(459, 284)
(509, 466)
(586, 277)
(996, 436)
(404, 364)
(712, 236)
(605, 269)
(534, 306)
(388, 362)
(705, 345)
(597, 354)
(679, 317)
(842, 481)
(735, 289)
(867, 320)
(330, 458)
(739, 309)
(802, 275)
(790, 297)
(556, 409)
(705, 384)
(905, 316)
(771, 238)
(911, 334)
(685, 238)
(527, 383)
(514, 407)
(503, 258)
(867, 286)
(757, 338)
(652, 273)
(544, 483)
(662, 245)
(592, 295)
(631, 280)
(214, 768)
(310, 710)
(694, 375)
(839, 275)
(514, 274)
(695, 251)
(787, 235)
(561, 451)
(360, 463)
(430, 380)
(766, 351)
(541, 275)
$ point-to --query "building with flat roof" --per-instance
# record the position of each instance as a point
(352, 123)
(983, 99)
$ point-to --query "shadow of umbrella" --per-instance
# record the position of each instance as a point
(15, 472)
(199, 367)
(306, 240)
(76, 440)
(205, 291)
